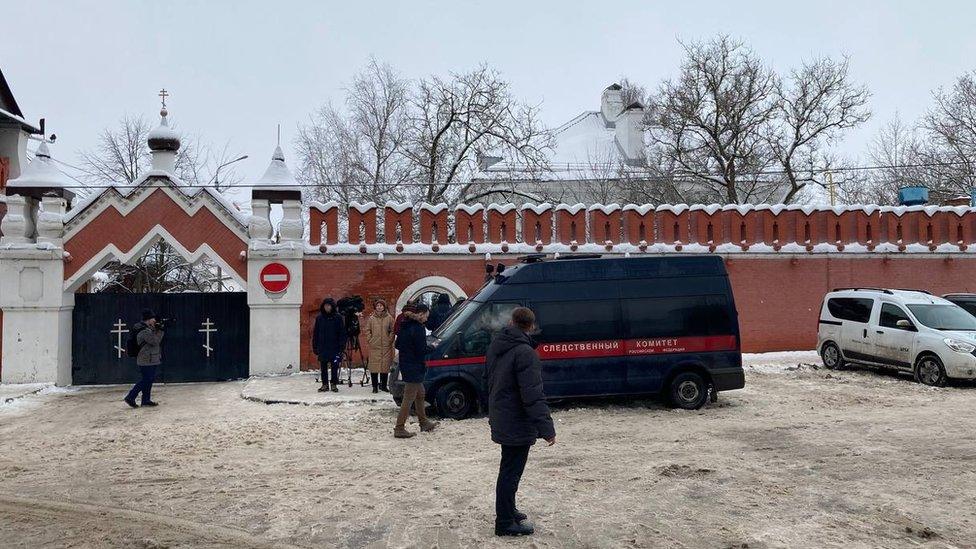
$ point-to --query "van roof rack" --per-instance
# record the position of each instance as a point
(884, 290)
(532, 258)
(913, 290)
(579, 256)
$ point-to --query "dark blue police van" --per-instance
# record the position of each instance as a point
(606, 327)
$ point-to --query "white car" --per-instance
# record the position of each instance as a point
(907, 330)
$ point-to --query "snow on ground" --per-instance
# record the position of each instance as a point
(801, 457)
(778, 362)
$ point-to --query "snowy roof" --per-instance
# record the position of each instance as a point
(277, 177)
(10, 110)
(41, 173)
(222, 201)
(582, 147)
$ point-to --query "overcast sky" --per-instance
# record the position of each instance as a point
(236, 69)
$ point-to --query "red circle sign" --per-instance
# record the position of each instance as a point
(275, 277)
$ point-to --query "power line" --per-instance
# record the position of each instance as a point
(682, 176)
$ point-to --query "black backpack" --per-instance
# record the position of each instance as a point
(132, 346)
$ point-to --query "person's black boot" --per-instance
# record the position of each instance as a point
(323, 388)
(384, 378)
(375, 378)
(513, 529)
(520, 516)
(335, 387)
(131, 402)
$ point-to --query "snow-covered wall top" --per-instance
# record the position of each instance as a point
(745, 227)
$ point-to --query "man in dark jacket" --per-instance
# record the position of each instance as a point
(517, 413)
(411, 341)
(149, 336)
(329, 343)
(439, 312)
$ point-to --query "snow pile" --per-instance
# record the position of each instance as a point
(778, 362)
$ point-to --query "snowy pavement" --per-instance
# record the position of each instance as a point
(302, 388)
(802, 457)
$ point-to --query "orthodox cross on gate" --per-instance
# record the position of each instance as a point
(163, 94)
(208, 328)
(118, 331)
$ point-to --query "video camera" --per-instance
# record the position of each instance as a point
(349, 307)
(162, 323)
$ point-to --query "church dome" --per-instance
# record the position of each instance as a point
(162, 137)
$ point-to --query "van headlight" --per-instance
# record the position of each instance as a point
(959, 346)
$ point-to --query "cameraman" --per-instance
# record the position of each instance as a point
(149, 336)
(328, 343)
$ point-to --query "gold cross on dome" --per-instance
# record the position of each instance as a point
(163, 94)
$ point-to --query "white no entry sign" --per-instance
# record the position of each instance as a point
(275, 278)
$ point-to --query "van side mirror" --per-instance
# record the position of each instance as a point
(905, 325)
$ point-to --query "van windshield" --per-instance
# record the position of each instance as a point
(457, 319)
(944, 317)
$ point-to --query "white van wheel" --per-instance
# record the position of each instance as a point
(830, 354)
(929, 371)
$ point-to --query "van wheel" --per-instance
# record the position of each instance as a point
(455, 400)
(688, 391)
(830, 354)
(929, 371)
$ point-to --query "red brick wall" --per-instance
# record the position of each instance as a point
(778, 299)
(372, 278)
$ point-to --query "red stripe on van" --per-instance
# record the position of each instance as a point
(614, 347)
(455, 361)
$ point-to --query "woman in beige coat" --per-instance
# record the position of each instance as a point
(379, 338)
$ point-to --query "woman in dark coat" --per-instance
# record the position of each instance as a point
(411, 341)
(329, 342)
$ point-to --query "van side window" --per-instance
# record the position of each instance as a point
(577, 320)
(891, 314)
(485, 323)
(703, 315)
(856, 309)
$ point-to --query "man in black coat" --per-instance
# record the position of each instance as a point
(411, 341)
(329, 343)
(517, 413)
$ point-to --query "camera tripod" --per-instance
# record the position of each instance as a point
(352, 347)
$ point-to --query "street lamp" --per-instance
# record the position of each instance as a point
(216, 174)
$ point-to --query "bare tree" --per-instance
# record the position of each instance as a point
(161, 270)
(122, 156)
(949, 150)
(714, 122)
(632, 92)
(358, 154)
(815, 105)
(454, 119)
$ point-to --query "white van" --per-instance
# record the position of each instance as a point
(907, 330)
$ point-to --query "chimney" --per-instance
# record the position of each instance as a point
(629, 133)
(612, 103)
